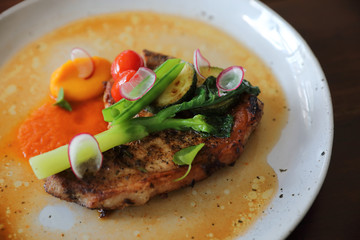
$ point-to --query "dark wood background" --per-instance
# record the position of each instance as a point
(332, 30)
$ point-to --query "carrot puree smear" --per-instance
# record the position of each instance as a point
(50, 126)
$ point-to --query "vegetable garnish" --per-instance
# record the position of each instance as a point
(205, 103)
(84, 155)
(126, 60)
(140, 83)
(83, 61)
(201, 64)
(124, 109)
(229, 79)
(61, 102)
(123, 78)
(126, 129)
(185, 157)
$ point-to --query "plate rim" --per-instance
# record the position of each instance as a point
(329, 143)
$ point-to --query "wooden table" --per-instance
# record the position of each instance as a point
(332, 30)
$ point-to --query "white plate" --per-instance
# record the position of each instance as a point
(305, 145)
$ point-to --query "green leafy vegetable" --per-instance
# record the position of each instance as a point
(208, 101)
(186, 156)
(61, 102)
(223, 125)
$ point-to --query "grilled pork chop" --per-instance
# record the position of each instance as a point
(133, 173)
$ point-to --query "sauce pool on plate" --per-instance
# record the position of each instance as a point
(50, 127)
(221, 207)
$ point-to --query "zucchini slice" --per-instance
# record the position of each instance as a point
(212, 71)
(181, 89)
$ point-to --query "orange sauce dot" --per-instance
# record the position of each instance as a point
(50, 126)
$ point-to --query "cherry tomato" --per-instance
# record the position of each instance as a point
(122, 78)
(127, 60)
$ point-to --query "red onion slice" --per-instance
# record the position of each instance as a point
(84, 154)
(85, 63)
(229, 79)
(200, 63)
(138, 85)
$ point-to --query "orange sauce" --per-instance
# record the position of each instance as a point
(50, 127)
(77, 88)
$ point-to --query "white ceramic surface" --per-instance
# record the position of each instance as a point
(305, 145)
